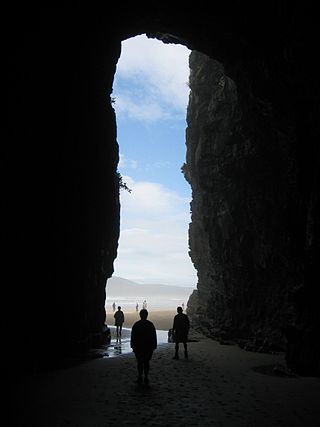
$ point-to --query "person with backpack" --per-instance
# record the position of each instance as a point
(180, 331)
(118, 321)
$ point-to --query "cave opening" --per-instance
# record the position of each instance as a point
(150, 97)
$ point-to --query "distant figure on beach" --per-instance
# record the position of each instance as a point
(143, 343)
(144, 305)
(114, 306)
(137, 307)
(119, 320)
(182, 305)
(180, 330)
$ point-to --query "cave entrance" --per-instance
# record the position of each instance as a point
(150, 98)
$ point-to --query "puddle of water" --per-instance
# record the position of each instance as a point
(120, 346)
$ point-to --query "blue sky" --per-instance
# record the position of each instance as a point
(151, 96)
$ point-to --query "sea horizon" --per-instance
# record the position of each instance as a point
(129, 303)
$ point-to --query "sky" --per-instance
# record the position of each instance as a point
(150, 93)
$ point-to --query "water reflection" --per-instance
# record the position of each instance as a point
(120, 346)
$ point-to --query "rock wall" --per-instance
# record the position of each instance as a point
(63, 193)
(255, 231)
(249, 214)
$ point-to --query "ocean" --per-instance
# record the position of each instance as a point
(156, 303)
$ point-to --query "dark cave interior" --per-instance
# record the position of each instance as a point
(258, 161)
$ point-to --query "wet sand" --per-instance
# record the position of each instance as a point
(162, 319)
(219, 385)
(121, 345)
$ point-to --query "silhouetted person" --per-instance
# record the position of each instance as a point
(143, 343)
(119, 320)
(137, 307)
(114, 306)
(180, 330)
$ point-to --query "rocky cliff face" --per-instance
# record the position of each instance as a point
(252, 161)
(246, 212)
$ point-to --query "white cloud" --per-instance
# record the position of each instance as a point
(146, 109)
(162, 71)
(149, 198)
(158, 165)
(153, 246)
(125, 163)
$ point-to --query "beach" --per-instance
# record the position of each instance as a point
(161, 318)
(218, 385)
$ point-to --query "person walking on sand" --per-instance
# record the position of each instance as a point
(180, 331)
(114, 306)
(143, 343)
(119, 320)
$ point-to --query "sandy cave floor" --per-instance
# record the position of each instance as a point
(219, 385)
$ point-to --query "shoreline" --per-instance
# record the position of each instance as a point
(161, 318)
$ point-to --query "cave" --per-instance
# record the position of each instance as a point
(252, 162)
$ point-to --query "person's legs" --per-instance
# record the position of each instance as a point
(120, 330)
(176, 356)
(185, 349)
(140, 370)
(146, 368)
(117, 330)
(143, 366)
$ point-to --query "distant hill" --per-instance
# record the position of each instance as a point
(119, 287)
